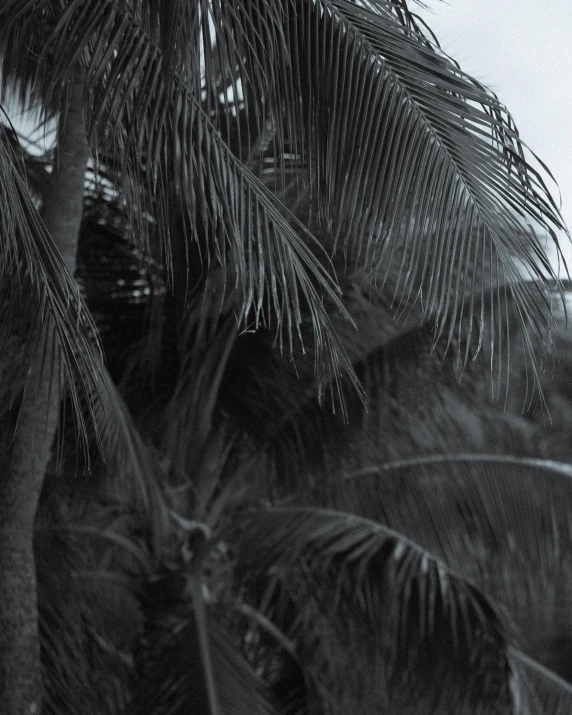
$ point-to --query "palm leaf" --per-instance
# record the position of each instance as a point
(305, 445)
(30, 261)
(81, 623)
(438, 185)
(546, 692)
(500, 521)
(36, 291)
(360, 598)
(173, 669)
(376, 57)
(443, 189)
(147, 106)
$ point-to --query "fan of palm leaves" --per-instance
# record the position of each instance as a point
(377, 620)
(174, 681)
(374, 617)
(88, 615)
(211, 125)
(499, 521)
(34, 285)
(444, 184)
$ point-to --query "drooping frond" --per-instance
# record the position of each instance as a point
(418, 167)
(500, 521)
(464, 410)
(378, 621)
(542, 689)
(36, 291)
(130, 467)
(35, 288)
(149, 117)
(173, 678)
(87, 622)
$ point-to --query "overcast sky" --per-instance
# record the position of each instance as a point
(522, 50)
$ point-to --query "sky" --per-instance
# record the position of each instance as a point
(522, 50)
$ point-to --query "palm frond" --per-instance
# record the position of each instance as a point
(424, 170)
(31, 262)
(500, 521)
(82, 621)
(544, 691)
(463, 411)
(130, 467)
(173, 669)
(359, 598)
(138, 107)
(37, 291)
(443, 190)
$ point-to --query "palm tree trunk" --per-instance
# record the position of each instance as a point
(28, 453)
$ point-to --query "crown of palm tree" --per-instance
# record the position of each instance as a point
(285, 200)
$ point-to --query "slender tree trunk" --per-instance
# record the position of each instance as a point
(27, 455)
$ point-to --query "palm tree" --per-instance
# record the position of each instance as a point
(300, 169)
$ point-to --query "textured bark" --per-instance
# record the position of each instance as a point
(20, 487)
(24, 459)
(63, 200)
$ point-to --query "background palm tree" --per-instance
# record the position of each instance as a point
(264, 178)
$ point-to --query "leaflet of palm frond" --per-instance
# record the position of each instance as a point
(153, 121)
(545, 692)
(421, 399)
(130, 468)
(365, 600)
(124, 288)
(461, 411)
(273, 655)
(35, 159)
(441, 179)
(207, 332)
(83, 671)
(500, 521)
(35, 290)
(172, 674)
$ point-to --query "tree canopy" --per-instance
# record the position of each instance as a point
(279, 345)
